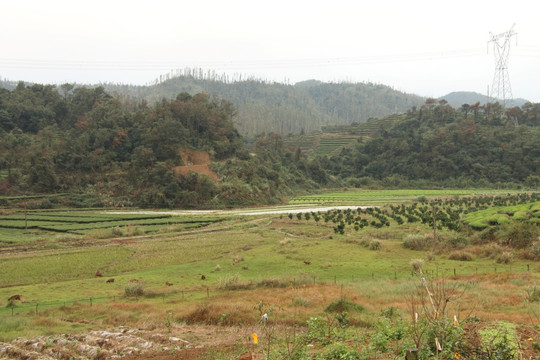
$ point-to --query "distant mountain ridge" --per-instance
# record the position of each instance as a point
(270, 107)
(458, 98)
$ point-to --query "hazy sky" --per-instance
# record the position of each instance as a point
(429, 48)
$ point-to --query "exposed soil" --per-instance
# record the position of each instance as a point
(196, 161)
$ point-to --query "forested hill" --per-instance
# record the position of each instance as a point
(183, 152)
(437, 145)
(265, 107)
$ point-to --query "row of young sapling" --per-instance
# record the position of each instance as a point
(437, 213)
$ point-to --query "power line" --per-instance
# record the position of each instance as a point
(40, 64)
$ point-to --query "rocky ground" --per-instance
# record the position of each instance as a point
(123, 343)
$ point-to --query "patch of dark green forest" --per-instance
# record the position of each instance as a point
(86, 142)
(106, 152)
(437, 145)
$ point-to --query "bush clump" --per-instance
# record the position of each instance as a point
(460, 256)
(233, 282)
(416, 242)
(341, 305)
(417, 264)
(134, 289)
(371, 244)
(457, 242)
(492, 251)
(504, 258)
(518, 234)
(532, 252)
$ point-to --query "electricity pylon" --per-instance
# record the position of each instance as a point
(501, 88)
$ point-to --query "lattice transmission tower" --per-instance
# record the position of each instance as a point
(501, 89)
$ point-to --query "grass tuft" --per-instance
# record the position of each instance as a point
(341, 305)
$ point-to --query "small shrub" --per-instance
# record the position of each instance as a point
(134, 289)
(492, 251)
(533, 252)
(341, 350)
(340, 306)
(117, 231)
(46, 204)
(504, 258)
(460, 256)
(132, 230)
(422, 199)
(370, 244)
(457, 241)
(364, 242)
(214, 314)
(417, 264)
(272, 283)
(519, 234)
(533, 293)
(485, 236)
(301, 302)
(233, 282)
(375, 245)
(284, 282)
(390, 312)
(204, 314)
(316, 330)
(499, 339)
(416, 242)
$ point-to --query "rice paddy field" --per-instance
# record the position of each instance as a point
(388, 196)
(84, 270)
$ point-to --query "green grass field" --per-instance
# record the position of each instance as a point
(387, 196)
(295, 266)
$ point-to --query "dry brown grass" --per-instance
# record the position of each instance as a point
(490, 297)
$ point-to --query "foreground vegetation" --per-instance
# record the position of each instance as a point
(370, 292)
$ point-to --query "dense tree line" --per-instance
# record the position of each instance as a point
(439, 145)
(84, 140)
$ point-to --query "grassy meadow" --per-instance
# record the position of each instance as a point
(292, 267)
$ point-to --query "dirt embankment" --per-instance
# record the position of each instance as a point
(196, 161)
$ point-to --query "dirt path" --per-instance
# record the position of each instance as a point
(246, 212)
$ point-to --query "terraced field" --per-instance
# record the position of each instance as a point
(334, 138)
(330, 145)
(20, 227)
(369, 129)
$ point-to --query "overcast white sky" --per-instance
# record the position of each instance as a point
(429, 48)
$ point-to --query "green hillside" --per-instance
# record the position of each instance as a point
(270, 107)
